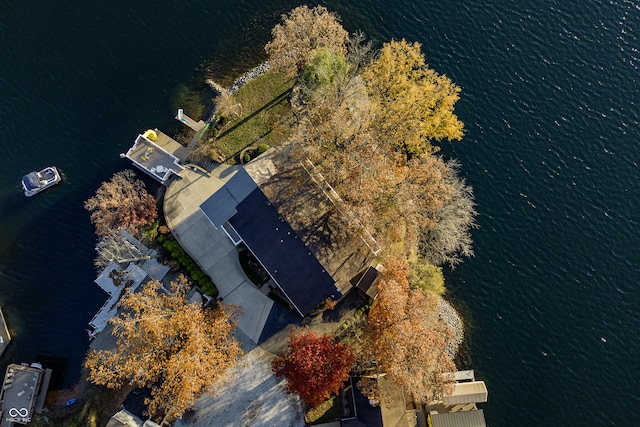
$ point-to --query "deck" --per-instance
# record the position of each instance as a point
(5, 336)
(154, 159)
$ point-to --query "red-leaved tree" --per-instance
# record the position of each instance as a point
(314, 366)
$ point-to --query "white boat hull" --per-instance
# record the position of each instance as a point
(35, 182)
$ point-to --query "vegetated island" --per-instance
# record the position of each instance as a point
(349, 136)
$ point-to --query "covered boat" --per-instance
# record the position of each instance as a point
(35, 182)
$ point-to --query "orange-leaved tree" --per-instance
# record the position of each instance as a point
(179, 350)
(314, 366)
(122, 203)
(407, 338)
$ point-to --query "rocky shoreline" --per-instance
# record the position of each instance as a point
(237, 84)
(451, 318)
(249, 75)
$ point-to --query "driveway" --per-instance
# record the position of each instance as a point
(255, 398)
(211, 248)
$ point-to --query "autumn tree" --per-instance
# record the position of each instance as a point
(227, 106)
(314, 366)
(301, 32)
(325, 71)
(115, 247)
(359, 51)
(122, 203)
(414, 104)
(179, 350)
(450, 238)
(408, 340)
(393, 196)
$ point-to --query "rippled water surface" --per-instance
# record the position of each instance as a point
(550, 103)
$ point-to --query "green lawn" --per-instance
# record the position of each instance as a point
(266, 116)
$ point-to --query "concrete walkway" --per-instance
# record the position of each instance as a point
(211, 248)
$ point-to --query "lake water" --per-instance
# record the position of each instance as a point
(550, 104)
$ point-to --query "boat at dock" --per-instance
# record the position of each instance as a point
(35, 182)
(5, 337)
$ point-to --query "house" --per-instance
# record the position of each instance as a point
(119, 276)
(245, 214)
(307, 262)
(456, 409)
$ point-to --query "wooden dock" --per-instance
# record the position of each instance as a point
(5, 337)
(183, 118)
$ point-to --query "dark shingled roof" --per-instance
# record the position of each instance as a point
(282, 253)
(222, 204)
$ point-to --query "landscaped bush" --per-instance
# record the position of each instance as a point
(197, 275)
(261, 149)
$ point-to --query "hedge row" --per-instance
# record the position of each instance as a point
(197, 275)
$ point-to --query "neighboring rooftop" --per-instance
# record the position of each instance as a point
(5, 336)
(366, 414)
(467, 392)
(114, 280)
(459, 419)
(23, 392)
(118, 277)
(124, 418)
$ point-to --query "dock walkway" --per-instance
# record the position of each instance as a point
(183, 118)
(5, 336)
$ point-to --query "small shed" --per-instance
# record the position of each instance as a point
(459, 419)
(467, 392)
(365, 283)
